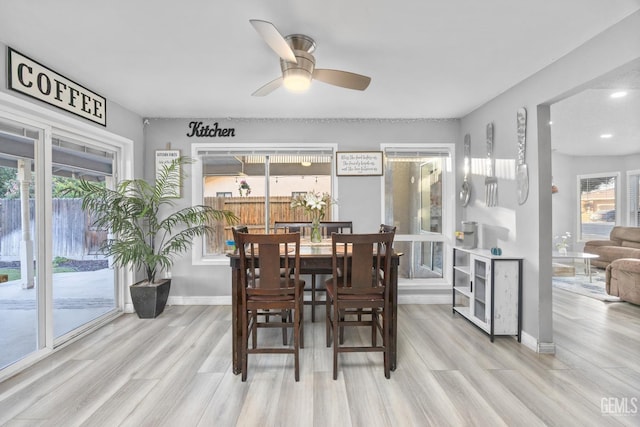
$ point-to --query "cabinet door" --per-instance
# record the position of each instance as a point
(481, 276)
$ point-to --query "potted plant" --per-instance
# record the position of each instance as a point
(142, 238)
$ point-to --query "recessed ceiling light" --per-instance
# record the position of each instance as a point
(606, 135)
(550, 122)
(619, 94)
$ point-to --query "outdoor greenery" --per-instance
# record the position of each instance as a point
(132, 212)
(10, 187)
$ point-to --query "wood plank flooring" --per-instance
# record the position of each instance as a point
(176, 371)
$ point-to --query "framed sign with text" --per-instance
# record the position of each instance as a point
(164, 158)
(359, 163)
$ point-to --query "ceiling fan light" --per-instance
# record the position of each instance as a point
(297, 80)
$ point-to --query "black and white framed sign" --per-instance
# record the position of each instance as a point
(359, 163)
(37, 81)
(164, 158)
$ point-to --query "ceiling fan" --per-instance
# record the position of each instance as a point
(298, 64)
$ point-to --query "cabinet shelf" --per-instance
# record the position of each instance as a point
(464, 290)
(487, 291)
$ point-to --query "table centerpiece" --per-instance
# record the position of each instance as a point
(315, 204)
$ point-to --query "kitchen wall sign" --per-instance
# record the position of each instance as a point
(37, 81)
(200, 130)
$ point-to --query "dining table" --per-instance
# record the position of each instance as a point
(315, 258)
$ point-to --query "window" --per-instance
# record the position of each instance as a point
(257, 185)
(597, 208)
(633, 198)
(414, 184)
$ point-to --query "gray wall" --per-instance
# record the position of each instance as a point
(359, 197)
(120, 121)
(527, 230)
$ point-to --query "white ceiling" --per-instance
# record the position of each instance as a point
(202, 58)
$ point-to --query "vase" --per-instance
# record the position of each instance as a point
(562, 250)
(316, 236)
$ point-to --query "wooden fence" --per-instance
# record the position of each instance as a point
(251, 211)
(72, 235)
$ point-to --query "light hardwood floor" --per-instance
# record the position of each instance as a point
(176, 371)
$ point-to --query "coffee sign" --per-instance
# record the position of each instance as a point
(34, 79)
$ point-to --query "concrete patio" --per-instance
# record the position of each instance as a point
(78, 297)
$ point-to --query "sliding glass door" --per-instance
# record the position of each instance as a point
(54, 283)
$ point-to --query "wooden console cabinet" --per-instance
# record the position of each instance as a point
(487, 290)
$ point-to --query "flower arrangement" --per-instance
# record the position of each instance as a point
(244, 189)
(562, 242)
(314, 203)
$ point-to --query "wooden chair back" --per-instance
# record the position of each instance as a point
(266, 253)
(360, 263)
(329, 227)
(292, 227)
(304, 227)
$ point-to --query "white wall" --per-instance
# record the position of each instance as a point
(526, 230)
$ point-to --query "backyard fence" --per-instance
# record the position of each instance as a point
(73, 237)
(251, 211)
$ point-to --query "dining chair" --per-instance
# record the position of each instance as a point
(269, 291)
(303, 227)
(326, 229)
(384, 228)
(358, 293)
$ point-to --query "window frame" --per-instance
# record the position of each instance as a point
(448, 205)
(633, 198)
(617, 193)
(197, 183)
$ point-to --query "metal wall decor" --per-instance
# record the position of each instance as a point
(522, 174)
(465, 190)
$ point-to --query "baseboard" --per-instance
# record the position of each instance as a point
(424, 299)
(532, 343)
(199, 300)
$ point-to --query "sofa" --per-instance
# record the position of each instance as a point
(624, 242)
(622, 279)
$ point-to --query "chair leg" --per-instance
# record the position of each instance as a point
(328, 324)
(374, 332)
(244, 344)
(253, 320)
(386, 328)
(313, 298)
(335, 342)
(283, 318)
(340, 318)
(301, 320)
(296, 344)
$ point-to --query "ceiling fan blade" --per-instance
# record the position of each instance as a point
(342, 78)
(274, 39)
(268, 88)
